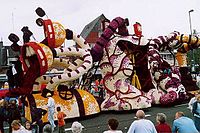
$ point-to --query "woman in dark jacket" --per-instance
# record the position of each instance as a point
(13, 113)
(2, 116)
(36, 115)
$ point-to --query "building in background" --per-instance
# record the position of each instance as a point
(169, 57)
(94, 29)
(7, 58)
(91, 33)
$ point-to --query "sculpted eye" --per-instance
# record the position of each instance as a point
(182, 89)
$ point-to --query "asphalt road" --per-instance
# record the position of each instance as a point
(98, 124)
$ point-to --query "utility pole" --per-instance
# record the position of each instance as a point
(191, 32)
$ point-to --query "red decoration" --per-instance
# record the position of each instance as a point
(138, 29)
(49, 33)
(36, 48)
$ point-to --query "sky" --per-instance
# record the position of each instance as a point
(158, 17)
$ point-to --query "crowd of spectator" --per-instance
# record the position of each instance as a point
(181, 124)
(11, 112)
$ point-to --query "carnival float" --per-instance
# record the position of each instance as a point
(134, 74)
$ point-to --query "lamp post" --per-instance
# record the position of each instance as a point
(190, 21)
(191, 32)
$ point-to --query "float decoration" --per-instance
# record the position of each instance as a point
(160, 82)
(39, 57)
(134, 74)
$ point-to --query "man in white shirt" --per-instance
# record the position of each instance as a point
(142, 125)
(51, 110)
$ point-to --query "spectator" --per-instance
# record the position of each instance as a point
(113, 124)
(36, 115)
(92, 91)
(47, 129)
(101, 92)
(162, 126)
(198, 80)
(76, 127)
(142, 125)
(183, 124)
(192, 100)
(196, 112)
(51, 110)
(17, 127)
(28, 127)
(10, 76)
(13, 113)
(6, 110)
(21, 106)
(2, 116)
(2, 100)
(61, 122)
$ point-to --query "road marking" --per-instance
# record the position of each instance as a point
(181, 105)
(69, 129)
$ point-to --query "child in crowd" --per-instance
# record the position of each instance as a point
(61, 122)
(28, 127)
(17, 127)
(76, 127)
(113, 124)
(47, 129)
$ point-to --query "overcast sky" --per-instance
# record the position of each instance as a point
(158, 17)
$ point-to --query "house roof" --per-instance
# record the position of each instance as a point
(92, 26)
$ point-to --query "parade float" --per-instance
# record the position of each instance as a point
(37, 58)
(134, 74)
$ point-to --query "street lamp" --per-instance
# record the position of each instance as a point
(190, 21)
(191, 32)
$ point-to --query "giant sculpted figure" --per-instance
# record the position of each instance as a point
(134, 73)
(38, 57)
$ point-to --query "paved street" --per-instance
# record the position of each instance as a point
(98, 124)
